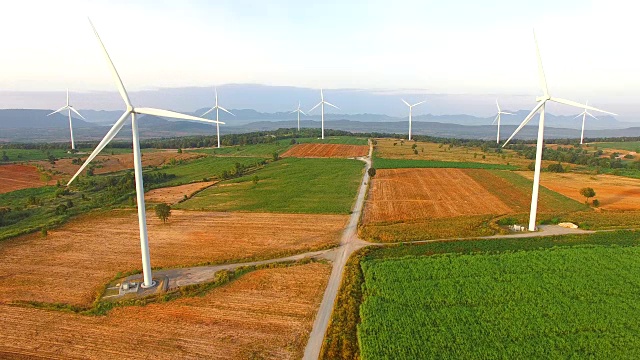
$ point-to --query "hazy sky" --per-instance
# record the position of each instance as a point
(589, 48)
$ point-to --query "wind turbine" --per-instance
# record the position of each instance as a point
(542, 100)
(584, 114)
(133, 111)
(70, 109)
(500, 112)
(216, 108)
(411, 108)
(298, 111)
(321, 104)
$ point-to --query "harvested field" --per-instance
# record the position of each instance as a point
(613, 192)
(73, 262)
(327, 151)
(409, 194)
(264, 314)
(18, 177)
(174, 194)
(112, 163)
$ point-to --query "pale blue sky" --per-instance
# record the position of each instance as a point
(588, 47)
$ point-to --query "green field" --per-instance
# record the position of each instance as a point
(209, 167)
(622, 145)
(21, 155)
(255, 150)
(559, 302)
(381, 163)
(292, 185)
(346, 140)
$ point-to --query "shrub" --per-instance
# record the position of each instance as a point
(587, 193)
(372, 172)
(557, 168)
(255, 180)
(43, 232)
(596, 203)
(163, 211)
(276, 156)
(531, 166)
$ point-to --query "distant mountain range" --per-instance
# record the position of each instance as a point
(27, 125)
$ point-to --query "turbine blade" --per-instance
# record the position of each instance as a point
(62, 108)
(67, 97)
(321, 95)
(315, 107)
(581, 106)
(577, 116)
(173, 115)
(114, 72)
(208, 111)
(498, 106)
(525, 121)
(330, 104)
(406, 103)
(107, 138)
(75, 111)
(588, 113)
(543, 80)
(421, 102)
(225, 110)
(302, 112)
(494, 120)
(506, 113)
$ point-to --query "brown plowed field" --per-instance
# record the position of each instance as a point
(112, 163)
(18, 177)
(173, 194)
(266, 314)
(327, 151)
(613, 192)
(409, 194)
(73, 262)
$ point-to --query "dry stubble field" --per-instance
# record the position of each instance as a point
(327, 151)
(17, 177)
(266, 314)
(174, 194)
(112, 163)
(74, 261)
(613, 192)
(409, 194)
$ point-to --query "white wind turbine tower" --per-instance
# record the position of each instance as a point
(216, 108)
(70, 109)
(584, 114)
(542, 100)
(321, 104)
(133, 111)
(299, 112)
(497, 119)
(410, 111)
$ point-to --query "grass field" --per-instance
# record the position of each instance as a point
(578, 302)
(255, 150)
(265, 314)
(20, 155)
(292, 185)
(209, 167)
(86, 253)
(327, 151)
(622, 145)
(382, 163)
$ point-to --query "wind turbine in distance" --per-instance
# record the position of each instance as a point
(584, 114)
(299, 112)
(70, 109)
(542, 100)
(133, 111)
(500, 112)
(321, 104)
(216, 108)
(410, 110)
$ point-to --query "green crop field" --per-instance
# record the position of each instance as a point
(292, 185)
(560, 302)
(381, 163)
(346, 140)
(254, 150)
(22, 155)
(622, 145)
(209, 167)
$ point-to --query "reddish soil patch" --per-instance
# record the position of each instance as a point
(264, 314)
(17, 177)
(411, 194)
(174, 194)
(327, 151)
(613, 192)
(73, 262)
(112, 163)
